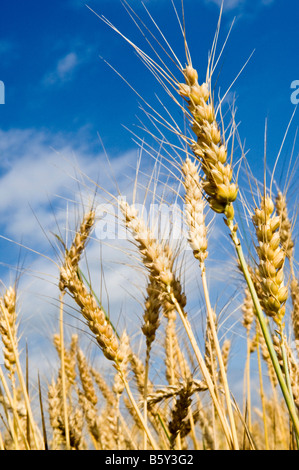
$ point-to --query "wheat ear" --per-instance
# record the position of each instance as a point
(70, 280)
(285, 229)
(97, 322)
(159, 263)
(295, 310)
(271, 260)
(8, 309)
(194, 209)
(86, 378)
(8, 328)
(209, 148)
(222, 192)
(151, 322)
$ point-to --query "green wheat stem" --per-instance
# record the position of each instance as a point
(265, 330)
(287, 376)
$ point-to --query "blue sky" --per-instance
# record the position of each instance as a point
(60, 93)
(56, 81)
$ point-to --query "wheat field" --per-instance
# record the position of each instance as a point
(165, 381)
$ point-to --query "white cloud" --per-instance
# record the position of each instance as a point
(39, 169)
(66, 65)
(64, 69)
(33, 177)
(229, 5)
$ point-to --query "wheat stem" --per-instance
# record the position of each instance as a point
(137, 411)
(21, 379)
(145, 392)
(63, 382)
(264, 327)
(287, 375)
(15, 414)
(204, 370)
(219, 356)
(262, 397)
(248, 394)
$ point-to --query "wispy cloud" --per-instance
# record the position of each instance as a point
(66, 65)
(9, 53)
(37, 169)
(71, 54)
(33, 177)
(5, 46)
(64, 70)
(228, 4)
(43, 191)
(240, 5)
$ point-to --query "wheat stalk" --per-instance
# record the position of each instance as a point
(158, 261)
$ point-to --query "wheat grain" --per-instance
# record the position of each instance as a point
(173, 390)
(248, 311)
(8, 328)
(272, 258)
(194, 209)
(295, 310)
(151, 314)
(209, 148)
(180, 412)
(103, 386)
(285, 230)
(69, 357)
(92, 418)
(86, 379)
(210, 353)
